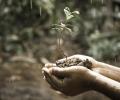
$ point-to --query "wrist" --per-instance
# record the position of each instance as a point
(105, 85)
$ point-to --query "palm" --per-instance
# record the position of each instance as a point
(74, 79)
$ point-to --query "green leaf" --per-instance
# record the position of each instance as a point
(69, 30)
(76, 12)
(68, 13)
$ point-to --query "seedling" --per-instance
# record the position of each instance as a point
(69, 14)
(62, 26)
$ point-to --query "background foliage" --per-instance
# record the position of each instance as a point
(94, 31)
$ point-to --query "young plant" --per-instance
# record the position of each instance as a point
(62, 26)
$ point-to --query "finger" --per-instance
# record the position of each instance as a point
(60, 72)
(53, 81)
(67, 72)
(49, 65)
(59, 83)
(49, 81)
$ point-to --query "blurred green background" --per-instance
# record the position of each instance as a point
(27, 42)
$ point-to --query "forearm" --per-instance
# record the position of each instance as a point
(104, 65)
(105, 85)
(107, 70)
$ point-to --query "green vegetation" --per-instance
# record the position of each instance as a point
(25, 22)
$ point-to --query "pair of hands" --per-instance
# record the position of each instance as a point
(71, 80)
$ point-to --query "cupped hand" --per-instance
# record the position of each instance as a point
(69, 80)
(71, 75)
(78, 73)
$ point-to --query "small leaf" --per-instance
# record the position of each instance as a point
(63, 25)
(68, 29)
(68, 13)
(56, 28)
(67, 8)
(69, 17)
(76, 12)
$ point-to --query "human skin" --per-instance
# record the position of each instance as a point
(107, 70)
(79, 79)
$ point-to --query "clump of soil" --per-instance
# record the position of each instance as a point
(74, 62)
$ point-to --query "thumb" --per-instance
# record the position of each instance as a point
(60, 72)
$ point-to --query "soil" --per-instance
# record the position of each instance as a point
(74, 62)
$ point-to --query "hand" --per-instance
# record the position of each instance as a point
(73, 80)
(70, 80)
